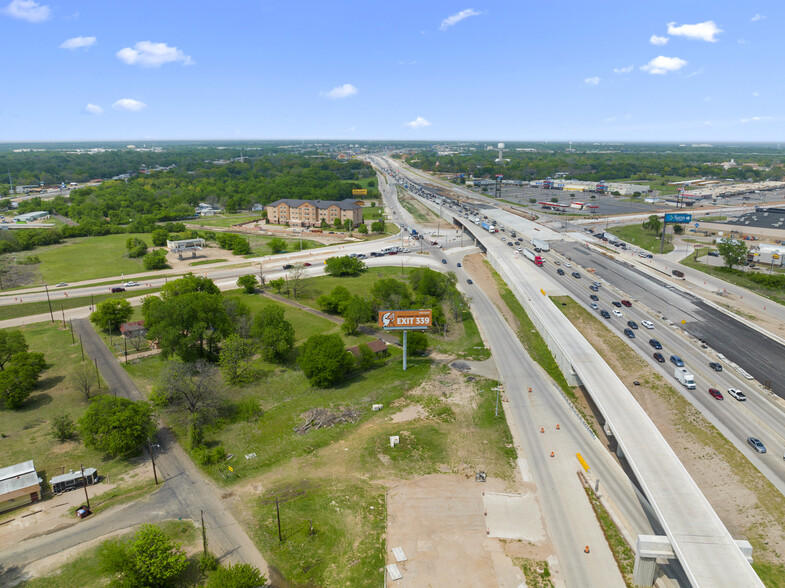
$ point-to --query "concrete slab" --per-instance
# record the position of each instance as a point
(513, 516)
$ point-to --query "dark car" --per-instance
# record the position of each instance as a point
(658, 356)
(444, 261)
(616, 304)
(656, 344)
(715, 393)
(626, 303)
(459, 264)
(594, 297)
(288, 266)
(677, 361)
(594, 288)
(118, 289)
(629, 333)
(509, 243)
(576, 275)
(713, 254)
(605, 314)
(632, 324)
(560, 271)
(469, 281)
(715, 366)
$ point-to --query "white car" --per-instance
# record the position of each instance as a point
(648, 324)
(594, 305)
(567, 264)
(61, 284)
(617, 312)
(557, 262)
(737, 394)
(129, 284)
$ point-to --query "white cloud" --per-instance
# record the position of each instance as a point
(418, 123)
(657, 40)
(77, 42)
(755, 94)
(28, 10)
(703, 31)
(592, 81)
(149, 54)
(93, 109)
(757, 17)
(129, 104)
(662, 65)
(756, 119)
(458, 17)
(341, 92)
(620, 70)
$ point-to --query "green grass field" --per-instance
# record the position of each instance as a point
(642, 238)
(224, 221)
(88, 258)
(259, 244)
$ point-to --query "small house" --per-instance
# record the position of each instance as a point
(133, 329)
(19, 485)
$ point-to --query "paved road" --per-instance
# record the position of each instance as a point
(186, 492)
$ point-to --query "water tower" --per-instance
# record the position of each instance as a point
(501, 152)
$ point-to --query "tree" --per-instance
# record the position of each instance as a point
(653, 223)
(278, 284)
(189, 387)
(362, 229)
(112, 313)
(732, 251)
(337, 223)
(348, 224)
(357, 310)
(20, 378)
(187, 284)
(336, 301)
(63, 428)
(678, 229)
(391, 294)
(324, 360)
(239, 575)
(377, 226)
(248, 282)
(323, 225)
(344, 266)
(234, 359)
(367, 359)
(297, 280)
(274, 333)
(149, 559)
(11, 343)
(277, 245)
(416, 343)
(116, 425)
(155, 260)
(85, 379)
(159, 237)
(136, 247)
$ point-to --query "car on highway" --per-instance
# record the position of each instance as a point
(633, 325)
(560, 271)
(626, 303)
(459, 264)
(617, 312)
(677, 361)
(654, 343)
(605, 314)
(117, 289)
(504, 239)
(509, 243)
(737, 394)
(594, 297)
(594, 288)
(567, 264)
(288, 266)
(594, 306)
(596, 283)
(715, 366)
(557, 262)
(756, 444)
(659, 357)
(648, 324)
(61, 284)
(376, 254)
(616, 303)
(716, 394)
(576, 275)
(629, 333)
(444, 261)
(306, 264)
(469, 281)
(129, 284)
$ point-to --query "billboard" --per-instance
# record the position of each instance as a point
(359, 192)
(404, 319)
(678, 218)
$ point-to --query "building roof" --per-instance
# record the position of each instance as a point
(354, 350)
(28, 216)
(72, 475)
(18, 477)
(296, 203)
(377, 346)
(131, 327)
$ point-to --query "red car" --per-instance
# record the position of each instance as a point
(715, 393)
(659, 357)
(306, 264)
(626, 303)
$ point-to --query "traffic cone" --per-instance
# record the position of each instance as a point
(542, 429)
(552, 454)
(586, 550)
(557, 426)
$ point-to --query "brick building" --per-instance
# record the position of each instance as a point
(310, 213)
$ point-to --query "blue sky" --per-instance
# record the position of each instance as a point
(433, 70)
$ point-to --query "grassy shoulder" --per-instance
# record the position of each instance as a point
(642, 238)
(60, 303)
(622, 552)
(751, 508)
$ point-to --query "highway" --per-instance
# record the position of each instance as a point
(707, 552)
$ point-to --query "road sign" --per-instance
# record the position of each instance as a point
(399, 320)
(356, 192)
(696, 225)
(678, 218)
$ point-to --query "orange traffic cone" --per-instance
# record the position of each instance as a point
(552, 454)
(557, 426)
(542, 429)
(586, 550)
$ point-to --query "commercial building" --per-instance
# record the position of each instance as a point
(19, 485)
(311, 213)
(31, 216)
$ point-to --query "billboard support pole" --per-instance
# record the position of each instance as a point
(404, 350)
(662, 241)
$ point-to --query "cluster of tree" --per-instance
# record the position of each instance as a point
(19, 369)
(111, 313)
(344, 266)
(136, 247)
(150, 558)
(12, 241)
(354, 309)
(116, 426)
(324, 360)
(653, 223)
(237, 244)
(155, 260)
(376, 226)
(733, 252)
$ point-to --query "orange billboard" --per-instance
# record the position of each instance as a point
(359, 192)
(404, 319)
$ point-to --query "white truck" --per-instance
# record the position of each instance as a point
(611, 238)
(685, 377)
(540, 245)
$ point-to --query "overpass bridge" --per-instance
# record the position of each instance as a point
(695, 534)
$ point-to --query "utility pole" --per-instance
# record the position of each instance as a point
(97, 375)
(278, 513)
(125, 348)
(204, 534)
(155, 474)
(84, 483)
(82, 346)
(51, 314)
